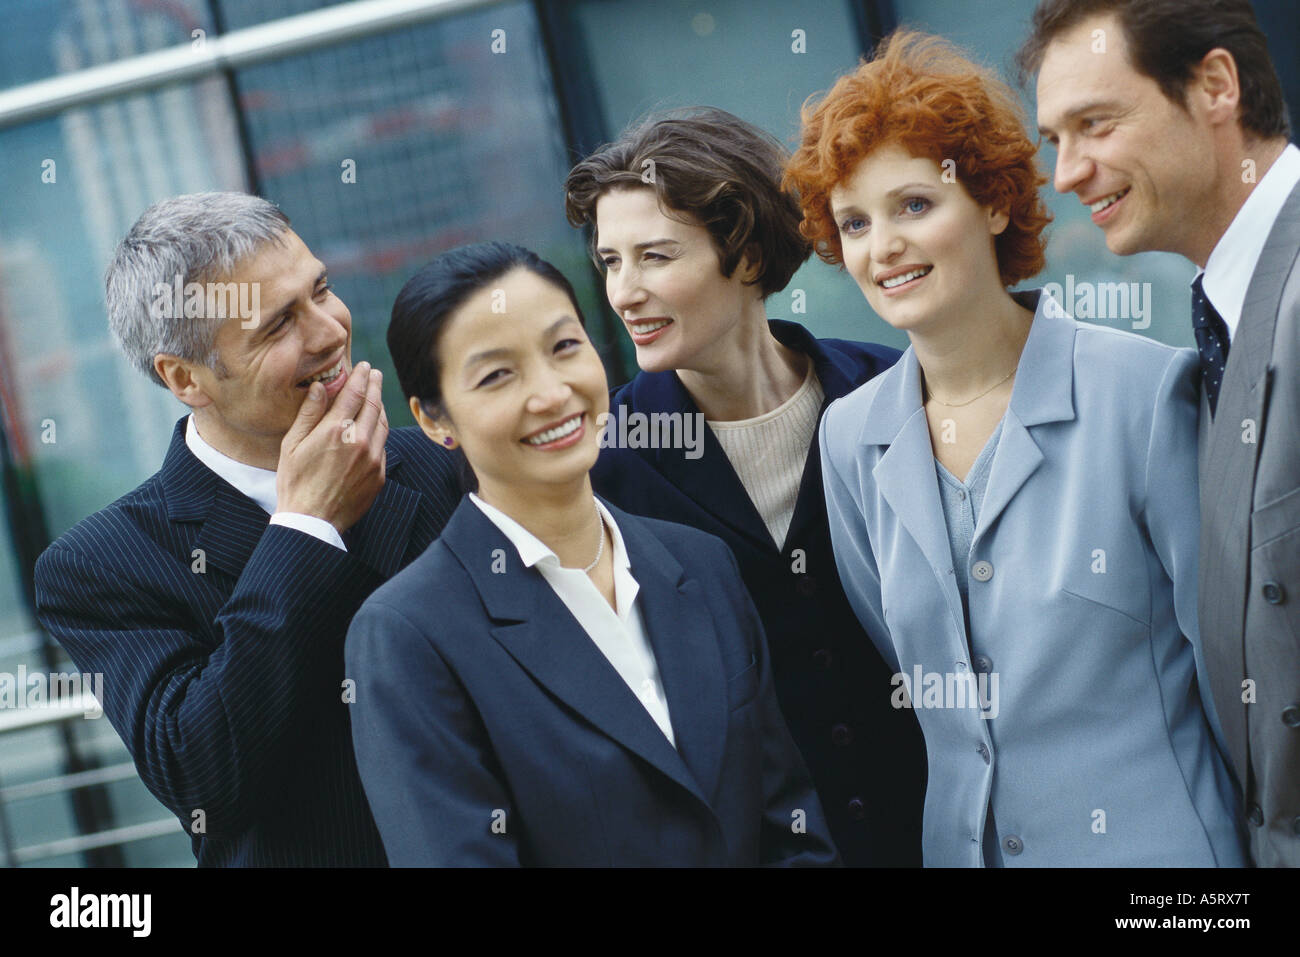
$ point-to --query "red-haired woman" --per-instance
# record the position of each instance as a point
(1013, 505)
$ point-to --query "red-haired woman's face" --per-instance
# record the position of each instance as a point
(919, 247)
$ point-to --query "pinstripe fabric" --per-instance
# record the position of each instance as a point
(1250, 547)
(220, 639)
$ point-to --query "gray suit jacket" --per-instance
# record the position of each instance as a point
(1250, 547)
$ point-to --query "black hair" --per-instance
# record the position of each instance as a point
(431, 297)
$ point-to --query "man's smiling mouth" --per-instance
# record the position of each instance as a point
(325, 378)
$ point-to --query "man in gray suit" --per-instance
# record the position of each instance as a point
(1170, 126)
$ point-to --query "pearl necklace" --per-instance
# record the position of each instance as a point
(601, 550)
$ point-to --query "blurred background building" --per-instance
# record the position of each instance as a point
(459, 119)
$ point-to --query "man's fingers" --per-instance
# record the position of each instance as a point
(309, 413)
(368, 417)
(380, 436)
(349, 401)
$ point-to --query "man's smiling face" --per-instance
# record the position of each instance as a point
(1142, 163)
(302, 332)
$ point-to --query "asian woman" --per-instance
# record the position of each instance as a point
(556, 681)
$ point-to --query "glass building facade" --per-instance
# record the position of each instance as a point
(384, 148)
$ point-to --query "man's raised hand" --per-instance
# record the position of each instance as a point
(332, 462)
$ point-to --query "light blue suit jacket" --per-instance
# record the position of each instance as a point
(1098, 747)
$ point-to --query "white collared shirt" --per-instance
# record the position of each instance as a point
(620, 635)
(1232, 263)
(259, 485)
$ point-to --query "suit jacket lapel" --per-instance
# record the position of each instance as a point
(536, 628)
(1043, 393)
(710, 480)
(380, 538)
(686, 650)
(905, 473)
(232, 523)
(1227, 473)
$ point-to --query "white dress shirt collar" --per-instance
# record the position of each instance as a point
(1232, 263)
(257, 484)
(532, 551)
(618, 633)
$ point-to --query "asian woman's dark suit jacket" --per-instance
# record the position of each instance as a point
(490, 730)
(867, 759)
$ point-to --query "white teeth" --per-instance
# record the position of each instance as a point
(906, 277)
(1101, 204)
(559, 432)
(642, 329)
(328, 375)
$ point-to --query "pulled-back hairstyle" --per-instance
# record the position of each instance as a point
(920, 94)
(428, 301)
(711, 166)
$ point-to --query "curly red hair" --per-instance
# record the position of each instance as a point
(919, 93)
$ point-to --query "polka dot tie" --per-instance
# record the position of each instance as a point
(1211, 342)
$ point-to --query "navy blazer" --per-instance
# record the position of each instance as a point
(490, 729)
(220, 638)
(867, 759)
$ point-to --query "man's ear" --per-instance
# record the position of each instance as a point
(1216, 80)
(436, 428)
(182, 378)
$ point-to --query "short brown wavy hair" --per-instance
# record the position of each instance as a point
(709, 165)
(920, 93)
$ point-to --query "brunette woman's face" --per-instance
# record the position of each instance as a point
(664, 279)
(522, 386)
(919, 247)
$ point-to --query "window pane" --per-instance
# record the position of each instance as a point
(745, 57)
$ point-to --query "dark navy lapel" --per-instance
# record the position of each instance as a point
(839, 374)
(380, 538)
(536, 629)
(231, 522)
(709, 481)
(686, 649)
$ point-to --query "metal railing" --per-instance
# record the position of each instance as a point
(74, 707)
(207, 56)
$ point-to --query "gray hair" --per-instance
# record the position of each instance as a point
(198, 237)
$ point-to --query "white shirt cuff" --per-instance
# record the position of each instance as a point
(313, 526)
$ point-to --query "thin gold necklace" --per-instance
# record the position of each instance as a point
(958, 405)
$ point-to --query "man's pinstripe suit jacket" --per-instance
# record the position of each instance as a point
(220, 639)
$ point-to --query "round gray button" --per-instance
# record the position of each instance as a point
(1291, 716)
(983, 664)
(1274, 593)
(981, 571)
(961, 495)
(1012, 844)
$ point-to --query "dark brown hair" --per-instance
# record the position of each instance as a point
(710, 166)
(1167, 39)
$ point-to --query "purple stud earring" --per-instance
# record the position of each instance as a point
(447, 441)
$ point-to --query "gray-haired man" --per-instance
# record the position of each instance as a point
(216, 596)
